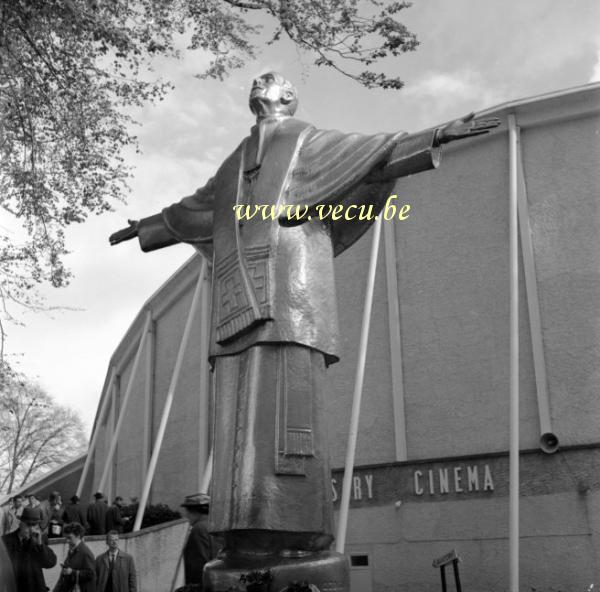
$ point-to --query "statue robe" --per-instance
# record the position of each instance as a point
(274, 319)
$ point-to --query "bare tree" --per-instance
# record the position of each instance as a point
(36, 433)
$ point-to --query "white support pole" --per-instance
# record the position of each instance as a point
(94, 439)
(389, 244)
(204, 407)
(358, 385)
(169, 400)
(513, 529)
(123, 409)
(147, 404)
(206, 476)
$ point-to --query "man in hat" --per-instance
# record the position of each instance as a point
(29, 553)
(96, 515)
(54, 511)
(114, 518)
(74, 512)
(199, 548)
(34, 502)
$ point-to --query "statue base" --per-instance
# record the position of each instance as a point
(324, 571)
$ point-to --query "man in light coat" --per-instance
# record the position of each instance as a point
(115, 569)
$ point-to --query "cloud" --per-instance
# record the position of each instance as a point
(440, 96)
(453, 86)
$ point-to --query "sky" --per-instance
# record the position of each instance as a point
(473, 55)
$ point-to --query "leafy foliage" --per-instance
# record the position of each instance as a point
(72, 70)
(68, 71)
(153, 514)
(36, 434)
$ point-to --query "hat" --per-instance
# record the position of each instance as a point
(74, 498)
(196, 500)
(98, 495)
(30, 516)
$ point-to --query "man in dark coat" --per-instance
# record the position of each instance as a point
(114, 518)
(115, 569)
(75, 512)
(96, 515)
(35, 504)
(199, 548)
(79, 565)
(29, 553)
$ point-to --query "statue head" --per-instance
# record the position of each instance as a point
(271, 94)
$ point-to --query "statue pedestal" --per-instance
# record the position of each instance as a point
(325, 571)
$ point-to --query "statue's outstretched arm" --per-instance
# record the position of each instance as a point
(419, 152)
(189, 220)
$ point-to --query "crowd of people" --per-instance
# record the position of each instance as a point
(96, 518)
(28, 524)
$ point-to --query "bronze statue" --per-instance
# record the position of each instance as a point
(274, 322)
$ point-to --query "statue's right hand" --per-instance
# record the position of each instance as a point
(125, 233)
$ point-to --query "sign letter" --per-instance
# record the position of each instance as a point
(357, 488)
(444, 481)
(473, 478)
(369, 482)
(418, 488)
(488, 484)
(457, 480)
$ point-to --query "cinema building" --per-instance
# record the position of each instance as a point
(432, 467)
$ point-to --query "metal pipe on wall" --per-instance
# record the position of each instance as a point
(169, 400)
(548, 439)
(513, 527)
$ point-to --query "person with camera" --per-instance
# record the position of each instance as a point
(29, 552)
(78, 570)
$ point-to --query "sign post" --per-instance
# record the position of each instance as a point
(442, 562)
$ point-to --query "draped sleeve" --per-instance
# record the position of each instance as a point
(354, 169)
(189, 221)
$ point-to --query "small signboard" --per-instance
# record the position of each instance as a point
(445, 559)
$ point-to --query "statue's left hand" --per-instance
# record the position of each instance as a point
(466, 127)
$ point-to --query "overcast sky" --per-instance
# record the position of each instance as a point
(473, 54)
